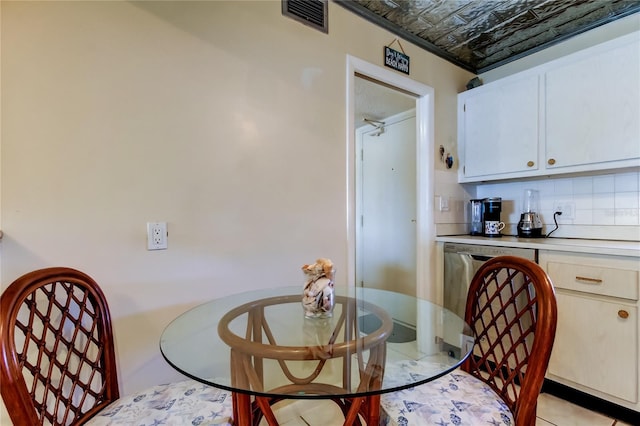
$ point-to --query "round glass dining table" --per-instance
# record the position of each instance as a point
(260, 346)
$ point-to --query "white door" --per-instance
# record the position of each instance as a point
(386, 257)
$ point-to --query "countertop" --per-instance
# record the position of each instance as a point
(611, 247)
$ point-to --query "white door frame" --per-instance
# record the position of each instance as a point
(425, 250)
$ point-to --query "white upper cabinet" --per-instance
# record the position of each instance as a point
(577, 114)
(593, 109)
(500, 125)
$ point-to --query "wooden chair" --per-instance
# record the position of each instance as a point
(58, 364)
(511, 308)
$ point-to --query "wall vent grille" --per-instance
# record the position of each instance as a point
(310, 12)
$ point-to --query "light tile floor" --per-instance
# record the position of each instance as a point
(555, 411)
(552, 411)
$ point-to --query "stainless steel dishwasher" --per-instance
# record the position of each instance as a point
(461, 261)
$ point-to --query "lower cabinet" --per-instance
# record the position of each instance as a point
(596, 346)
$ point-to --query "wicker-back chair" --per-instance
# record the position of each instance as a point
(58, 364)
(511, 308)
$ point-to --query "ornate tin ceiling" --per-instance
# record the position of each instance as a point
(479, 35)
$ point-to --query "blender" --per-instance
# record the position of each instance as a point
(530, 225)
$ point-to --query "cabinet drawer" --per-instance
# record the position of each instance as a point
(594, 279)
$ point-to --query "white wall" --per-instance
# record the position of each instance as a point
(225, 119)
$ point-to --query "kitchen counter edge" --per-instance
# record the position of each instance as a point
(610, 247)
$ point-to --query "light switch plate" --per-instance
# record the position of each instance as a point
(444, 203)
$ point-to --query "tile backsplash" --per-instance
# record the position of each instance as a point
(605, 206)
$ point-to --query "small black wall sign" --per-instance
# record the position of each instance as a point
(396, 60)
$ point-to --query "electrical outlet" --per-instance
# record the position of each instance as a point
(567, 208)
(156, 235)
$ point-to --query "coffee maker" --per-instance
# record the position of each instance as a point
(491, 217)
(530, 225)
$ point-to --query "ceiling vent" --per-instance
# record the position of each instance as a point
(310, 12)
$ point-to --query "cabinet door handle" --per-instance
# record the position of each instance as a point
(530, 163)
(551, 161)
(589, 280)
(623, 314)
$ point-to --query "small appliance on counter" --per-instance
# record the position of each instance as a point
(477, 223)
(491, 216)
(530, 225)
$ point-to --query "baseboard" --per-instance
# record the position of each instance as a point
(591, 402)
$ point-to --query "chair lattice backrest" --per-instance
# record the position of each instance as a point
(58, 359)
(511, 308)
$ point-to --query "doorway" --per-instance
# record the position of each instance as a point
(423, 285)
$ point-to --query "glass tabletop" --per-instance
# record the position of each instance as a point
(261, 343)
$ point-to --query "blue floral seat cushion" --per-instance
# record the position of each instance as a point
(455, 399)
(177, 404)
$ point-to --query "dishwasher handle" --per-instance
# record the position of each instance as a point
(480, 257)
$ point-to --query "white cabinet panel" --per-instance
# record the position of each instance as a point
(595, 347)
(593, 108)
(500, 125)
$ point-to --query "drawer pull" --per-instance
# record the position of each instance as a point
(551, 161)
(589, 280)
(530, 164)
(623, 314)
